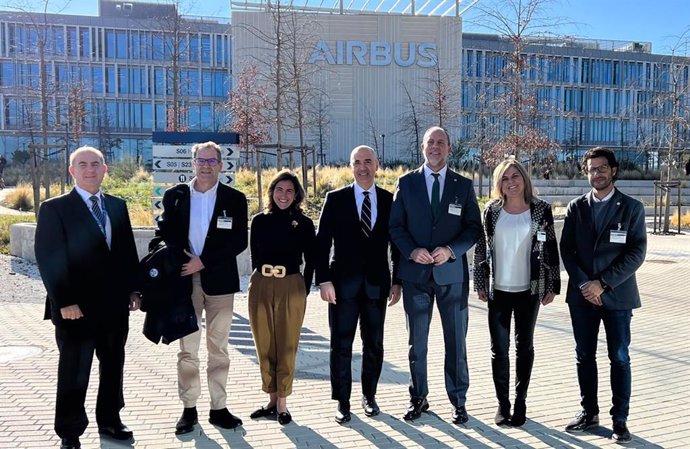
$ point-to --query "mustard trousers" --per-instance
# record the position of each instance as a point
(276, 313)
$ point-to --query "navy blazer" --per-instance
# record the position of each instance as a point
(222, 246)
(357, 261)
(588, 255)
(412, 226)
(77, 267)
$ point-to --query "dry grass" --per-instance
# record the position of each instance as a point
(684, 220)
(21, 198)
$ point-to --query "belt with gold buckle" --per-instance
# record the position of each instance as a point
(277, 271)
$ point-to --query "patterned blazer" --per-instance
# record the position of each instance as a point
(545, 274)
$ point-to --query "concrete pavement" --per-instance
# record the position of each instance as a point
(659, 409)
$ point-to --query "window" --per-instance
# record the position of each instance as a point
(205, 48)
(110, 80)
(72, 42)
(84, 42)
(7, 74)
(110, 44)
(219, 49)
(159, 81)
(121, 37)
(123, 80)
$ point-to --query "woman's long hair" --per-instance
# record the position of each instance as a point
(284, 175)
(500, 170)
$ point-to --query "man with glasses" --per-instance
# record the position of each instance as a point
(603, 244)
(206, 221)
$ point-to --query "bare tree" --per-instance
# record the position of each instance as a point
(671, 101)
(322, 120)
(519, 21)
(441, 99)
(246, 107)
(299, 39)
(410, 121)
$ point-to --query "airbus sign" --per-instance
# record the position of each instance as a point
(377, 53)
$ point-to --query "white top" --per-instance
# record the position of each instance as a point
(86, 196)
(200, 215)
(359, 199)
(430, 180)
(512, 246)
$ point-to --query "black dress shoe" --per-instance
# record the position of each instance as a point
(284, 417)
(187, 420)
(582, 422)
(117, 431)
(70, 443)
(264, 412)
(343, 414)
(502, 414)
(460, 415)
(519, 414)
(224, 419)
(417, 406)
(371, 408)
(621, 434)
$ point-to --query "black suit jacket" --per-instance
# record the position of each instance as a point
(357, 261)
(590, 255)
(77, 267)
(222, 246)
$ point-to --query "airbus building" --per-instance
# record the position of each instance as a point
(372, 72)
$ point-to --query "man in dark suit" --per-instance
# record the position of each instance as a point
(206, 221)
(434, 221)
(357, 284)
(604, 242)
(88, 260)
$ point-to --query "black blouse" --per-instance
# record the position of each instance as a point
(284, 237)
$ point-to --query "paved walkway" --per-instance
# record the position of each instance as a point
(659, 411)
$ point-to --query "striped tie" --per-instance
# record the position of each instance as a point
(366, 215)
(98, 213)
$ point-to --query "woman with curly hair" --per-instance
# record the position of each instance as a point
(281, 238)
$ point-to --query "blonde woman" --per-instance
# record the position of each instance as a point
(516, 269)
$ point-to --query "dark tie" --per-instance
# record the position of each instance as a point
(98, 212)
(366, 215)
(436, 196)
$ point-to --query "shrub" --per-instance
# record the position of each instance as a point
(21, 198)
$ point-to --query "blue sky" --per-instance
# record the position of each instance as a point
(656, 21)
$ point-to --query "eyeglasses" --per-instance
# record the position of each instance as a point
(600, 169)
(211, 162)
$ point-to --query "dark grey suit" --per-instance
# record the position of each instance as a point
(591, 255)
(412, 226)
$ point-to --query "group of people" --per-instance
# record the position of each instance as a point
(87, 258)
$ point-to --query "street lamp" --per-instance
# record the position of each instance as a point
(383, 148)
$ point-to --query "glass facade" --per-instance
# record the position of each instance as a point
(124, 69)
(583, 97)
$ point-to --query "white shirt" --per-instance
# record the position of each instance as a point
(200, 215)
(86, 196)
(359, 199)
(512, 246)
(430, 180)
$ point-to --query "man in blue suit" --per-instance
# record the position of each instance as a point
(434, 221)
(604, 242)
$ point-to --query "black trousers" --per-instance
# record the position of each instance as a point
(74, 368)
(501, 309)
(343, 317)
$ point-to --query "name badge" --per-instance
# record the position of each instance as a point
(224, 223)
(618, 236)
(541, 236)
(455, 209)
